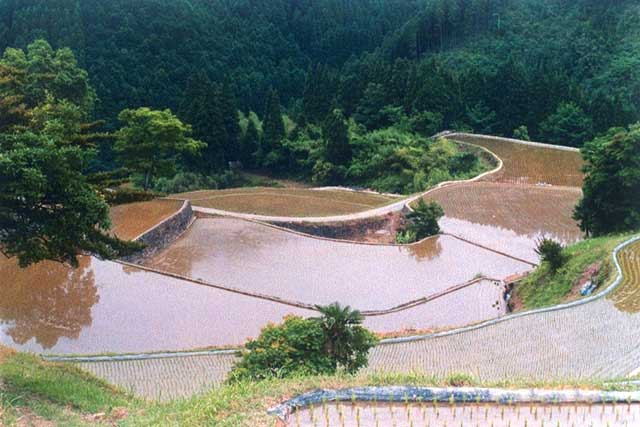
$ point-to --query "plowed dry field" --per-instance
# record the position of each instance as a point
(529, 164)
(130, 220)
(287, 201)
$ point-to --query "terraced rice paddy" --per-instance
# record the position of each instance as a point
(459, 415)
(529, 164)
(255, 257)
(508, 217)
(133, 219)
(627, 297)
(106, 307)
(288, 201)
(593, 340)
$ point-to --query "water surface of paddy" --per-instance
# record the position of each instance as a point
(259, 258)
(106, 307)
(509, 218)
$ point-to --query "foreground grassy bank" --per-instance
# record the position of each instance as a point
(33, 392)
(544, 288)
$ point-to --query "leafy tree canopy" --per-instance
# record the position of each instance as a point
(612, 181)
(151, 142)
(48, 207)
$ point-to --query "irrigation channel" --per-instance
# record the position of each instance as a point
(226, 277)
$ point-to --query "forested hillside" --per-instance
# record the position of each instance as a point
(565, 70)
(142, 52)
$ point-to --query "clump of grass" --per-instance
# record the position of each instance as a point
(62, 393)
(546, 286)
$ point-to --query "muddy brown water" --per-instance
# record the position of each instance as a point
(105, 307)
(459, 415)
(255, 257)
(507, 217)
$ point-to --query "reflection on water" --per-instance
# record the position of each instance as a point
(102, 308)
(257, 258)
(509, 217)
(46, 301)
(426, 249)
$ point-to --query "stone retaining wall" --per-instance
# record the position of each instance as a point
(164, 233)
(380, 229)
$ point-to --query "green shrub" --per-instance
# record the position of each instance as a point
(551, 252)
(122, 196)
(296, 347)
(190, 181)
(405, 237)
(423, 221)
(522, 133)
(317, 346)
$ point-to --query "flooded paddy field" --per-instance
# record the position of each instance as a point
(460, 415)
(255, 257)
(530, 164)
(288, 201)
(507, 217)
(593, 341)
(106, 307)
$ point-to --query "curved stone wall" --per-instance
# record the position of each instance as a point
(164, 233)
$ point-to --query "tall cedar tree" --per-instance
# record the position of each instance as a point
(202, 111)
(336, 137)
(249, 146)
(272, 124)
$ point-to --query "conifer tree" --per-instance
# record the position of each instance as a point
(336, 136)
(273, 125)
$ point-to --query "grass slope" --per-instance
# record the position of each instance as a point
(33, 392)
(543, 288)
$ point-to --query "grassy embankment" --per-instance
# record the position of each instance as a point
(544, 288)
(33, 392)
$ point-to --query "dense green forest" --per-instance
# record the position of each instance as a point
(566, 70)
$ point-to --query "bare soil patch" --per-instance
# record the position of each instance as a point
(130, 220)
(288, 201)
(528, 164)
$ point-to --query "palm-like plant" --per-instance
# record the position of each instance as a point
(346, 341)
